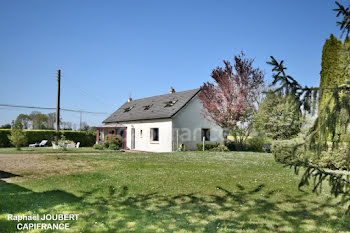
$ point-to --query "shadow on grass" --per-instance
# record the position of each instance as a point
(17, 200)
(228, 211)
(4, 174)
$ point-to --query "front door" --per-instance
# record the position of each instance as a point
(132, 138)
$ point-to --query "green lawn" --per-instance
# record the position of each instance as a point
(168, 192)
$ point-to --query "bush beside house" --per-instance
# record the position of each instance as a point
(256, 144)
(207, 146)
(220, 148)
(113, 147)
(98, 147)
(113, 139)
(33, 136)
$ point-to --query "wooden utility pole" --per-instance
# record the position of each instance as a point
(58, 100)
(81, 113)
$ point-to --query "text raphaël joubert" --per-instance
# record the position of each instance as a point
(47, 217)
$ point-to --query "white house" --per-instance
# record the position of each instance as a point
(161, 123)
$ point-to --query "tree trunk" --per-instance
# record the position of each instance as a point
(225, 132)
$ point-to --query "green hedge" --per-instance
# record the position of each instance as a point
(4, 140)
(255, 144)
(33, 136)
(207, 146)
(288, 151)
(220, 148)
(85, 138)
(293, 151)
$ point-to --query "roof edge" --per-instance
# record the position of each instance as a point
(186, 103)
(159, 118)
(106, 121)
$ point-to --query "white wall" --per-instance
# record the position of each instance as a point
(189, 122)
(144, 143)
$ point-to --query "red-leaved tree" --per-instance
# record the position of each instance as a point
(230, 99)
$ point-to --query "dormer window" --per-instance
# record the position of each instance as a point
(170, 103)
(147, 107)
(128, 109)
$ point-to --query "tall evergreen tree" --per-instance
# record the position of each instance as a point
(331, 72)
(328, 140)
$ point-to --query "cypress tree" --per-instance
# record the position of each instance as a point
(331, 71)
(346, 58)
(327, 144)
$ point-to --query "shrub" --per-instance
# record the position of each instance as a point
(258, 144)
(98, 147)
(255, 144)
(339, 158)
(113, 147)
(231, 146)
(63, 142)
(18, 138)
(234, 146)
(293, 151)
(220, 148)
(278, 117)
(266, 147)
(288, 151)
(207, 146)
(113, 139)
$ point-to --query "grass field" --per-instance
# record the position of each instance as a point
(169, 192)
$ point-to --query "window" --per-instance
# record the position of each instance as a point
(170, 103)
(147, 107)
(141, 133)
(206, 134)
(154, 134)
(128, 109)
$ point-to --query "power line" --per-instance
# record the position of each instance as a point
(48, 108)
(22, 106)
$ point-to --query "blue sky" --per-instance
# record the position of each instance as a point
(108, 50)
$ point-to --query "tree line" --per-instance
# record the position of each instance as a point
(38, 120)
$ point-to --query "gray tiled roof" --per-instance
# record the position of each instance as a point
(157, 108)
